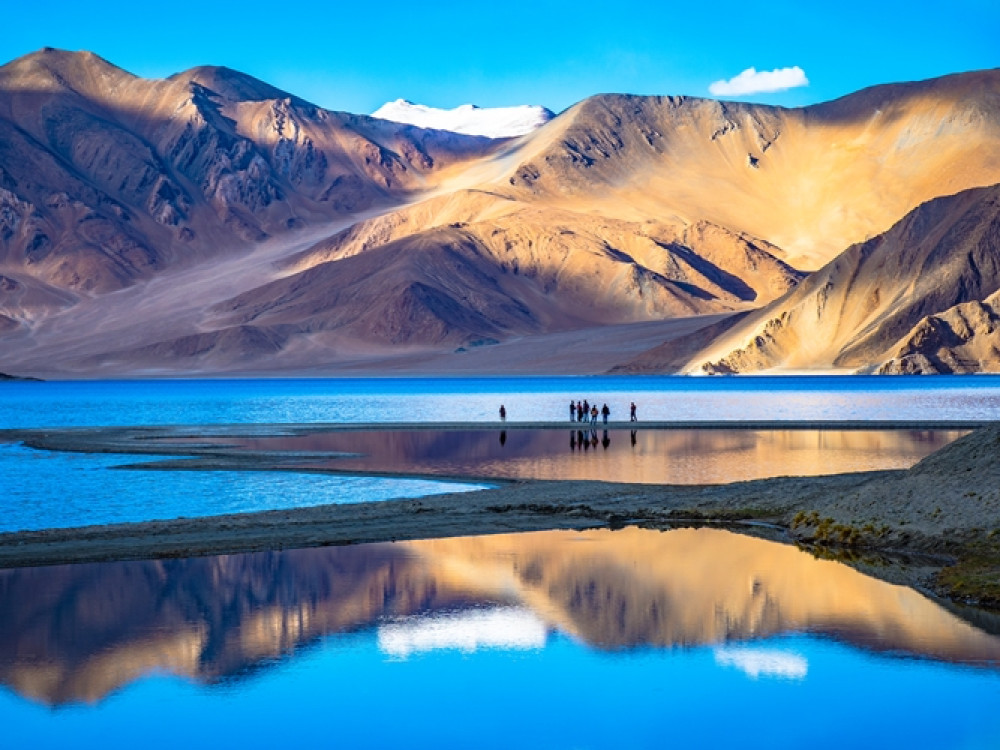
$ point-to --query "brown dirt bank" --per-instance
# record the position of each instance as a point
(945, 509)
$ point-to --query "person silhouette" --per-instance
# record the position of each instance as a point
(503, 413)
(632, 417)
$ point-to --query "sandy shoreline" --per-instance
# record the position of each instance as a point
(946, 509)
(513, 506)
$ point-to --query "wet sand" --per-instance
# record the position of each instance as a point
(945, 510)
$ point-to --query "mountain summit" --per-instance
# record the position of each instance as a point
(492, 122)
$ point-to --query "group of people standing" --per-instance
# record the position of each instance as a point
(579, 411)
(582, 410)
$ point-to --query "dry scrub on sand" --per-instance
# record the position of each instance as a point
(943, 514)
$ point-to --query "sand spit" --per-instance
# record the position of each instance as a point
(945, 510)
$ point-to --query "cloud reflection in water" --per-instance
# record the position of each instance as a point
(767, 662)
(510, 628)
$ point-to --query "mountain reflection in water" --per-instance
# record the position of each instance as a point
(690, 456)
(77, 633)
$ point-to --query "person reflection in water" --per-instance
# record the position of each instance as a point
(572, 440)
(583, 440)
(503, 438)
(593, 439)
(632, 436)
(605, 441)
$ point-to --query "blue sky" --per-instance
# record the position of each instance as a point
(355, 56)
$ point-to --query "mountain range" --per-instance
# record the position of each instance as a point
(211, 223)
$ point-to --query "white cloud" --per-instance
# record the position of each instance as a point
(759, 661)
(750, 81)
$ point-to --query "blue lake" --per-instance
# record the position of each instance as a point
(49, 489)
(632, 638)
(69, 404)
(44, 489)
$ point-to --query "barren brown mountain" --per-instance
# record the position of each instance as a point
(918, 298)
(211, 223)
(106, 178)
(963, 339)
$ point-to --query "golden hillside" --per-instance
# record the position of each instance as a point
(917, 298)
(810, 181)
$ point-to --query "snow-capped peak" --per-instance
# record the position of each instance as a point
(493, 122)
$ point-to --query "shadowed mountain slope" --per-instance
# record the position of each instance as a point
(962, 339)
(918, 298)
(504, 268)
(106, 178)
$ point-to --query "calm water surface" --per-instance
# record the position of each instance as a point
(97, 403)
(48, 490)
(600, 639)
(43, 489)
(689, 456)
(632, 638)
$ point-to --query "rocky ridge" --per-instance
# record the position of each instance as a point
(107, 179)
(918, 298)
(962, 339)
